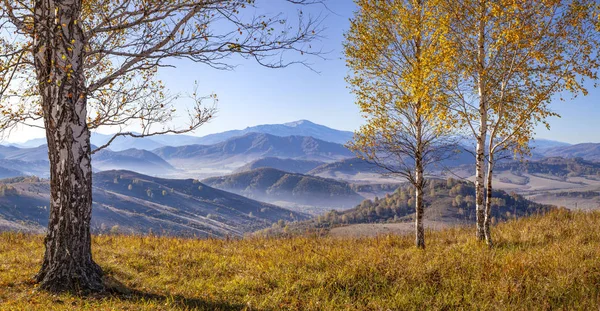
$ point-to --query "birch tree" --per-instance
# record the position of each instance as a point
(398, 56)
(513, 57)
(78, 65)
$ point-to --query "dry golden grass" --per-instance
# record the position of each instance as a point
(546, 262)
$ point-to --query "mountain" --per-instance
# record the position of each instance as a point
(32, 143)
(297, 128)
(15, 168)
(15, 161)
(253, 146)
(359, 170)
(137, 160)
(287, 165)
(125, 142)
(587, 151)
(39, 153)
(34, 161)
(540, 145)
(129, 202)
(99, 139)
(447, 203)
(272, 185)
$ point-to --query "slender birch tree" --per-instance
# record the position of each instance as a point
(513, 57)
(398, 55)
(78, 65)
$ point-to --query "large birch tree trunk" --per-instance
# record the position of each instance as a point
(59, 61)
(481, 136)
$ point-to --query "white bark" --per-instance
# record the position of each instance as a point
(58, 52)
(483, 119)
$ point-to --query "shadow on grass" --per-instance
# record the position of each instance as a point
(117, 290)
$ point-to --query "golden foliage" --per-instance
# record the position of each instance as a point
(531, 52)
(399, 55)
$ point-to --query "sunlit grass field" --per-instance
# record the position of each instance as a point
(539, 263)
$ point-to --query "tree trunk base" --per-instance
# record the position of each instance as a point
(71, 278)
(488, 235)
(420, 244)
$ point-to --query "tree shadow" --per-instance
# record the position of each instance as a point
(118, 290)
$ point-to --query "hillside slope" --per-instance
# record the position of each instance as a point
(447, 203)
(135, 203)
(271, 185)
(540, 263)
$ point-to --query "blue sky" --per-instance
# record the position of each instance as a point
(252, 95)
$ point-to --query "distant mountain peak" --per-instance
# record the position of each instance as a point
(299, 123)
(295, 128)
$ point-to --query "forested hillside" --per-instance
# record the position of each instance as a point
(449, 201)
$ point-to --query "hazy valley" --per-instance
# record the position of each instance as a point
(225, 184)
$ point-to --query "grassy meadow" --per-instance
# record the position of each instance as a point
(538, 263)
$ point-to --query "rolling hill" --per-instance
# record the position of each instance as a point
(129, 202)
(289, 189)
(137, 160)
(282, 164)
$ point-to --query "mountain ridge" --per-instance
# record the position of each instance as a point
(294, 128)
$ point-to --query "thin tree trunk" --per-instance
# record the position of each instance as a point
(481, 137)
(419, 184)
(479, 189)
(488, 201)
(59, 60)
